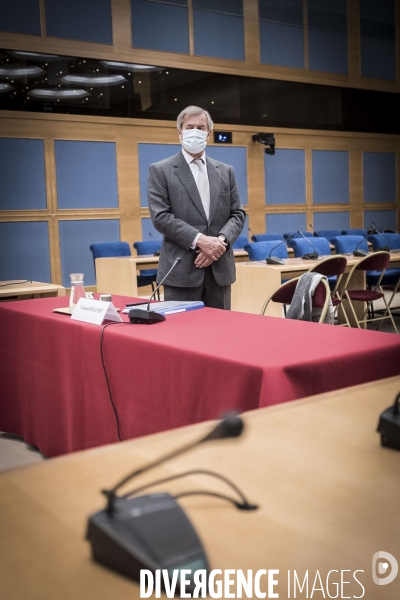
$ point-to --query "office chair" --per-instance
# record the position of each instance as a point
(260, 250)
(301, 246)
(240, 242)
(284, 295)
(327, 233)
(375, 262)
(266, 237)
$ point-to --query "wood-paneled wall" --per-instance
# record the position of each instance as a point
(128, 133)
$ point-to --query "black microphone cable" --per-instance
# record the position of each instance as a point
(106, 376)
(243, 505)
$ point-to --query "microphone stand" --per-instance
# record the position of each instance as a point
(149, 317)
(384, 248)
(358, 252)
(275, 260)
(309, 255)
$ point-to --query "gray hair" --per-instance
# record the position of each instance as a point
(193, 110)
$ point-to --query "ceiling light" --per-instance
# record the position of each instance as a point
(56, 94)
(5, 87)
(36, 56)
(20, 72)
(128, 66)
(94, 80)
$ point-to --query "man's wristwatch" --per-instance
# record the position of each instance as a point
(224, 239)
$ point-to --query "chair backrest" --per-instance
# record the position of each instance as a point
(284, 295)
(240, 242)
(327, 233)
(333, 265)
(260, 250)
(107, 249)
(362, 232)
(147, 247)
(378, 240)
(346, 244)
(266, 237)
(296, 235)
(301, 246)
(377, 261)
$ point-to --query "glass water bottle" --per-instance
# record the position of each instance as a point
(77, 289)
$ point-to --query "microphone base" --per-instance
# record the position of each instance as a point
(360, 253)
(148, 532)
(274, 260)
(384, 249)
(389, 428)
(157, 253)
(145, 317)
(310, 256)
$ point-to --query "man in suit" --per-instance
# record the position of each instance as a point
(194, 202)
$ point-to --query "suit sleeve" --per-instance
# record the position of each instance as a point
(234, 226)
(161, 212)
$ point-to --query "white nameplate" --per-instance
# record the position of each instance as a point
(95, 311)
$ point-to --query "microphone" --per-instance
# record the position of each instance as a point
(310, 255)
(358, 252)
(149, 317)
(275, 260)
(152, 531)
(157, 252)
(312, 228)
(384, 248)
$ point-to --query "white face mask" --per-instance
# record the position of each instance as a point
(194, 140)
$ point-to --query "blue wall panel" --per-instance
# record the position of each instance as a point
(24, 251)
(330, 177)
(383, 219)
(331, 220)
(20, 16)
(159, 26)
(285, 177)
(379, 176)
(86, 174)
(237, 158)
(22, 174)
(149, 154)
(147, 228)
(286, 223)
(218, 35)
(75, 239)
(86, 20)
(281, 45)
(327, 52)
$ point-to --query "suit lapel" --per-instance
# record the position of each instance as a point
(184, 174)
(214, 177)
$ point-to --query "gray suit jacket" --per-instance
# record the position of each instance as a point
(177, 212)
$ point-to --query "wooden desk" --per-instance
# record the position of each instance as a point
(14, 289)
(118, 275)
(327, 494)
(255, 281)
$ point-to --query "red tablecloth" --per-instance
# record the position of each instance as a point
(189, 368)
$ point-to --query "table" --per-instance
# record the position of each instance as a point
(16, 287)
(328, 496)
(118, 274)
(256, 281)
(192, 367)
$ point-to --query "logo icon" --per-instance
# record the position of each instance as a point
(380, 568)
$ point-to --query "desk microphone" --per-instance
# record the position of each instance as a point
(149, 317)
(157, 252)
(310, 255)
(358, 252)
(275, 260)
(312, 228)
(384, 248)
(152, 531)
